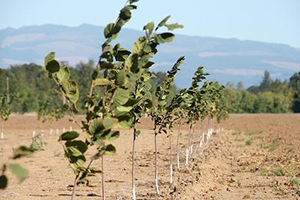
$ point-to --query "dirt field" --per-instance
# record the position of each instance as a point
(254, 157)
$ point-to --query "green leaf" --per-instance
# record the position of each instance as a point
(133, 1)
(137, 133)
(131, 102)
(124, 108)
(122, 96)
(108, 55)
(96, 127)
(102, 82)
(96, 156)
(148, 86)
(108, 135)
(112, 135)
(139, 45)
(125, 13)
(22, 151)
(125, 121)
(95, 169)
(95, 74)
(63, 74)
(70, 135)
(174, 26)
(110, 149)
(20, 172)
(149, 27)
(122, 54)
(106, 65)
(77, 163)
(163, 22)
(108, 30)
(3, 182)
(71, 90)
(78, 145)
(82, 178)
(121, 78)
(52, 66)
(164, 37)
(109, 122)
(49, 57)
(143, 62)
(74, 152)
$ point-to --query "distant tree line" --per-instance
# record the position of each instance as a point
(271, 96)
(34, 89)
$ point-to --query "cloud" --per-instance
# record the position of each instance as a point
(9, 41)
(275, 75)
(239, 72)
(237, 53)
(162, 64)
(286, 65)
(13, 61)
(71, 60)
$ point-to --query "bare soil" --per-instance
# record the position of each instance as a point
(254, 157)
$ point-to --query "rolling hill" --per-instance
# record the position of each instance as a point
(226, 59)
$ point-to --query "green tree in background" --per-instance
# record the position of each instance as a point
(31, 82)
(295, 85)
(266, 82)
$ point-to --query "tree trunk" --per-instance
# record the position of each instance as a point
(188, 146)
(177, 146)
(2, 133)
(74, 188)
(192, 141)
(171, 164)
(103, 180)
(133, 164)
(212, 125)
(156, 167)
(202, 134)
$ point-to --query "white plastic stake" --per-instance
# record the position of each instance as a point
(187, 156)
(171, 173)
(71, 128)
(178, 162)
(201, 141)
(57, 131)
(156, 186)
(133, 193)
(64, 130)
(2, 135)
(51, 131)
(33, 133)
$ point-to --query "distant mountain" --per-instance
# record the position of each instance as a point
(226, 59)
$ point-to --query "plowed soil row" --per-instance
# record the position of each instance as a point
(254, 157)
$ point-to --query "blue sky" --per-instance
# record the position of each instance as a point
(262, 20)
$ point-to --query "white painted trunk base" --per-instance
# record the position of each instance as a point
(171, 173)
(187, 156)
(133, 193)
(156, 186)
